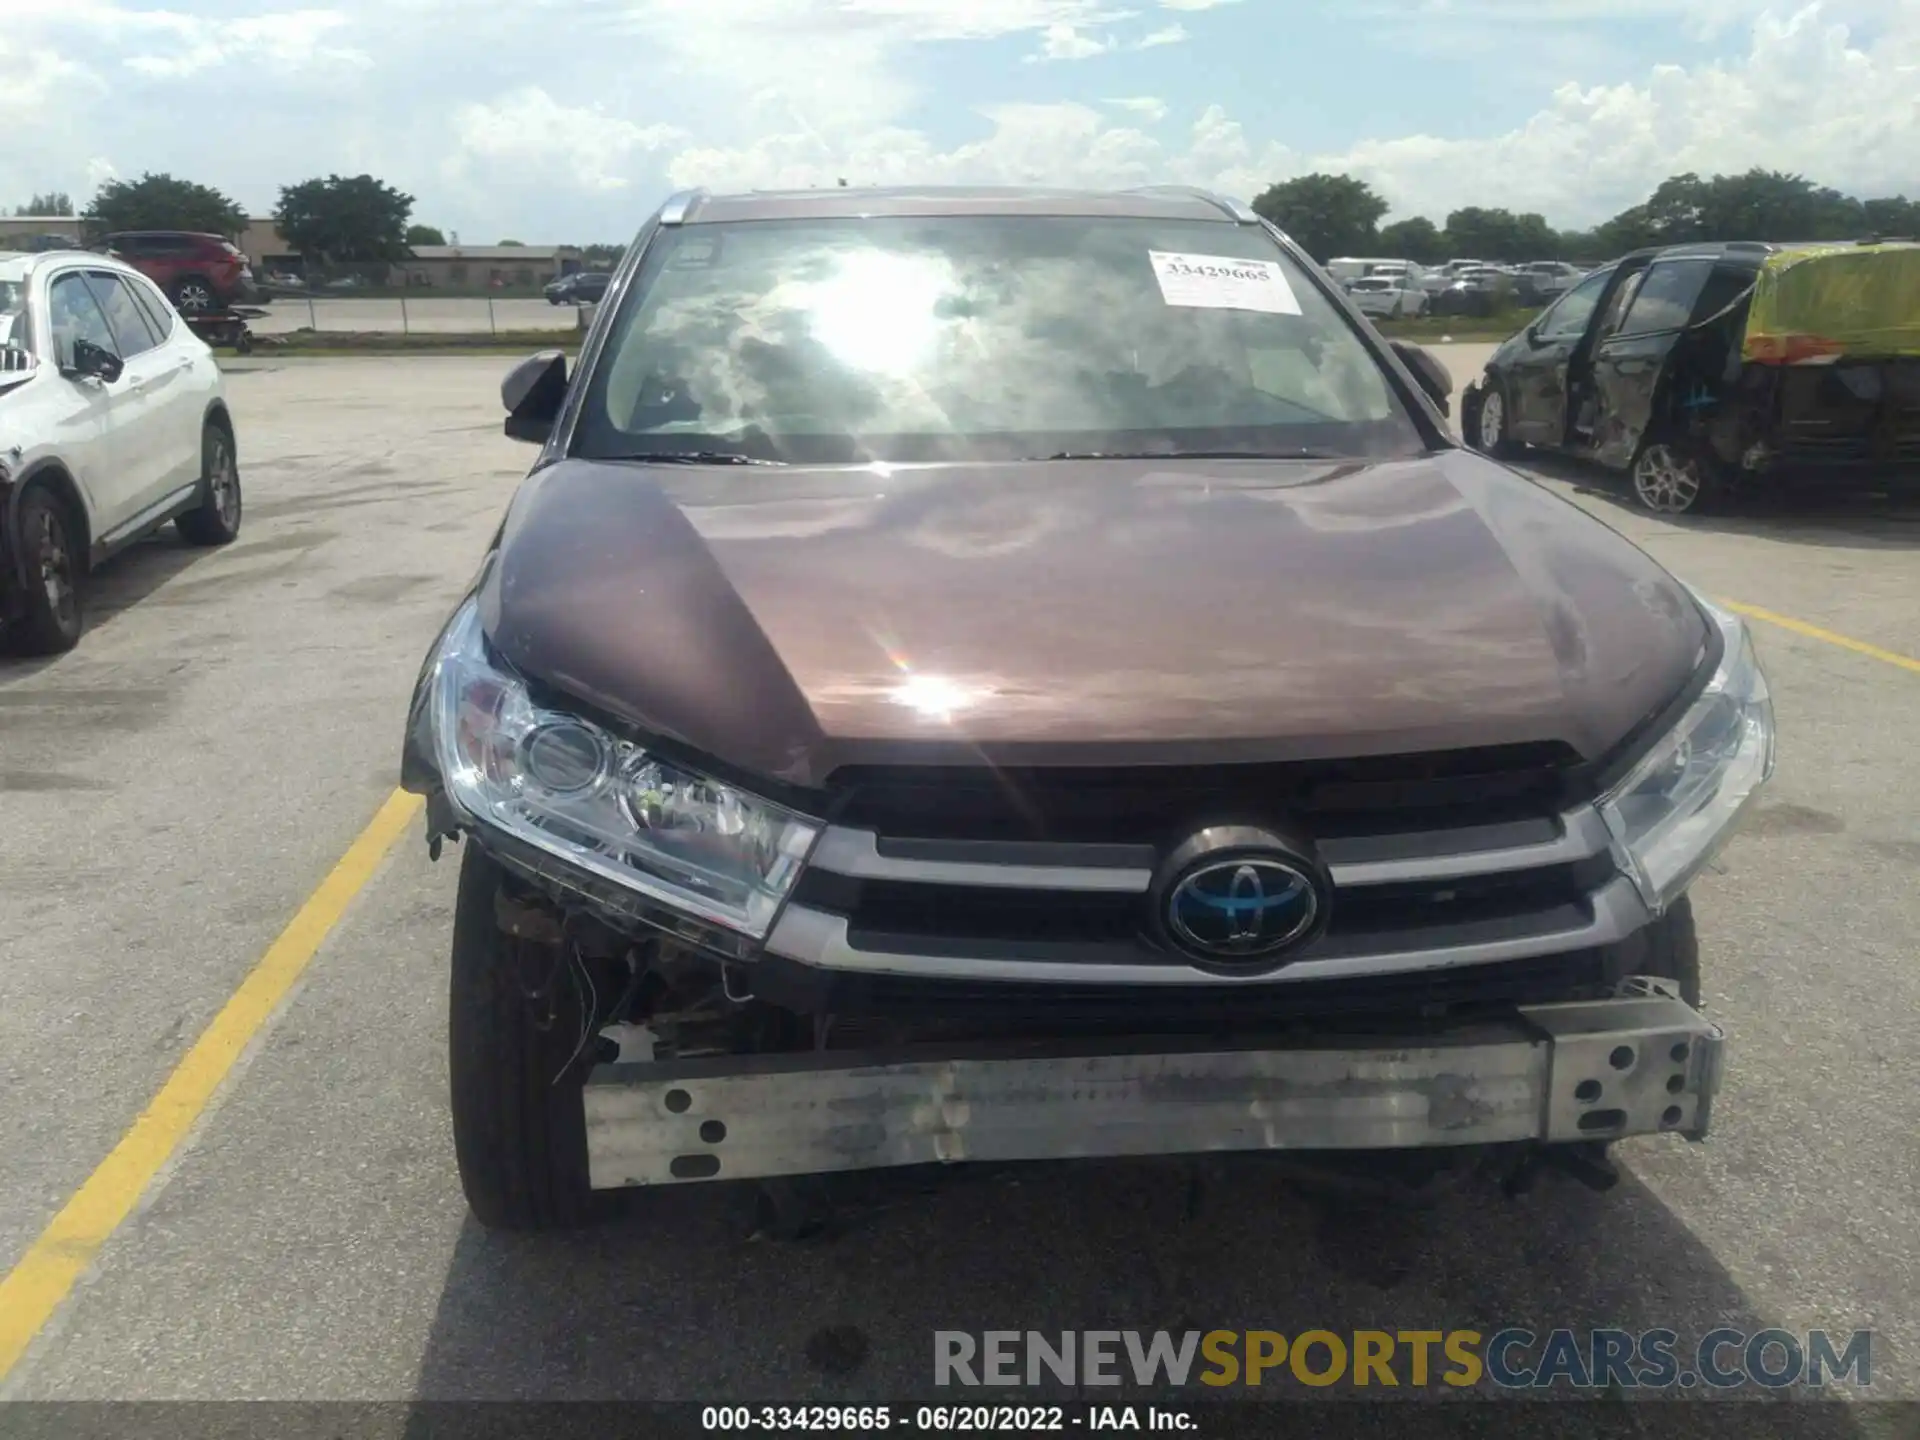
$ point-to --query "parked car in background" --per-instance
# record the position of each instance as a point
(1702, 371)
(1478, 290)
(1347, 270)
(1544, 280)
(1387, 296)
(1407, 272)
(198, 273)
(1439, 279)
(113, 421)
(583, 287)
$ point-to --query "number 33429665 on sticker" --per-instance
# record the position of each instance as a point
(1223, 282)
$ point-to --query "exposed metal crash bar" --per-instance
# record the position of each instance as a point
(1583, 1070)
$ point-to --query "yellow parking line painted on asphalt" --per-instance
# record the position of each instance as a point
(46, 1274)
(1814, 632)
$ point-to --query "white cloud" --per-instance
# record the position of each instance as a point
(435, 97)
(1025, 144)
(1806, 97)
(285, 42)
(38, 84)
(530, 132)
(1066, 42)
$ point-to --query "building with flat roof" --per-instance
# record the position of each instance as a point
(433, 267)
(39, 232)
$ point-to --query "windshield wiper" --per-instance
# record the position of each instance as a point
(693, 457)
(1196, 455)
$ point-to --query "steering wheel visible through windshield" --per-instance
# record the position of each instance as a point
(981, 337)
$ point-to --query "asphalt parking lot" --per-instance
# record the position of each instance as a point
(176, 788)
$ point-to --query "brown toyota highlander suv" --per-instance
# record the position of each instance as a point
(1016, 674)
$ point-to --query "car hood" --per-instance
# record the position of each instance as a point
(789, 621)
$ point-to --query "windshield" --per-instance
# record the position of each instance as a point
(902, 339)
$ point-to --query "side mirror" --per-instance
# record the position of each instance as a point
(532, 393)
(1432, 375)
(95, 360)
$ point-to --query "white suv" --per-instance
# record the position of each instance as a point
(113, 421)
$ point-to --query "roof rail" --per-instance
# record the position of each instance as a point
(680, 205)
(1235, 210)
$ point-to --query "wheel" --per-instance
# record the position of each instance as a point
(192, 295)
(49, 550)
(1490, 422)
(519, 1130)
(216, 519)
(1671, 477)
(243, 342)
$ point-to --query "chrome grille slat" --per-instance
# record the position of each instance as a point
(819, 938)
(856, 853)
(1042, 877)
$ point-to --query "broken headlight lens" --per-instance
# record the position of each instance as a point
(1674, 810)
(603, 803)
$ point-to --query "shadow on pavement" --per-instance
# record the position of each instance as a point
(123, 582)
(677, 1301)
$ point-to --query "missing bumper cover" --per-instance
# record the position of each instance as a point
(1511, 1081)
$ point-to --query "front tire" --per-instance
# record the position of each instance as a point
(54, 614)
(519, 1129)
(215, 520)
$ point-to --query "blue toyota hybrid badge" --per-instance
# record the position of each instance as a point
(1240, 897)
(1244, 906)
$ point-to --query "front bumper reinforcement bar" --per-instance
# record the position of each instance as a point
(1590, 1070)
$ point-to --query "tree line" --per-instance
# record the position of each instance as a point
(1333, 215)
(345, 223)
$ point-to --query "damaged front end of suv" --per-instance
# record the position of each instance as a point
(746, 893)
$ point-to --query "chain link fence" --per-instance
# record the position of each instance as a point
(287, 314)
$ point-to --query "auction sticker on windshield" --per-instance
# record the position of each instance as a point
(1221, 282)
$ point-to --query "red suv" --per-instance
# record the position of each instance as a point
(200, 273)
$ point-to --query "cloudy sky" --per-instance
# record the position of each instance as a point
(544, 121)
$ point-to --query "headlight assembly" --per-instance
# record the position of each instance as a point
(1674, 809)
(604, 805)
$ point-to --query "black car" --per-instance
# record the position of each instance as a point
(583, 287)
(1660, 366)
